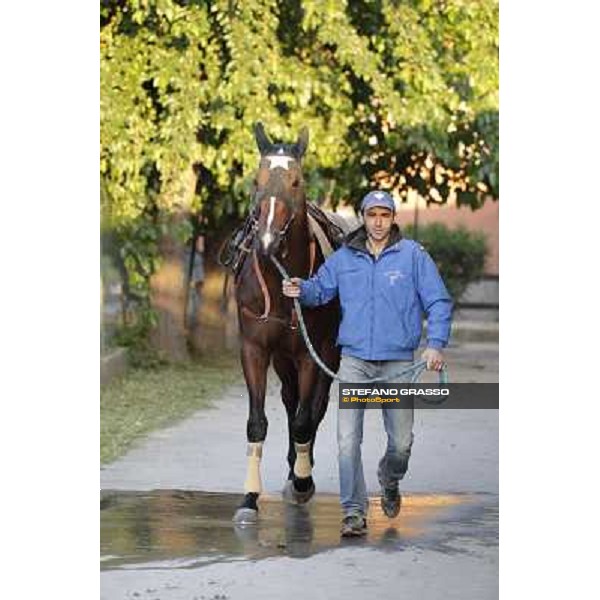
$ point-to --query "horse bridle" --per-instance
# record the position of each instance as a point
(281, 233)
(247, 247)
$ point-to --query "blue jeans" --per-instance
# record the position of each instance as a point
(398, 423)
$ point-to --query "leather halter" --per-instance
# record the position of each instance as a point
(263, 287)
(281, 233)
(266, 315)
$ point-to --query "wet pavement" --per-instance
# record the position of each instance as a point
(162, 538)
(183, 529)
(176, 544)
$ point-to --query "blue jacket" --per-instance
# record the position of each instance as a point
(383, 299)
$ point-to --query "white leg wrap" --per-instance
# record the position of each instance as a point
(253, 483)
(302, 466)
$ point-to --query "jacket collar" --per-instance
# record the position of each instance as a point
(357, 239)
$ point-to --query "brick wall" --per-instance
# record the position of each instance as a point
(485, 219)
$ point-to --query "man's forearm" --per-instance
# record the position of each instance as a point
(310, 293)
(439, 323)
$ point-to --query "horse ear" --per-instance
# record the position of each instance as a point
(262, 139)
(302, 143)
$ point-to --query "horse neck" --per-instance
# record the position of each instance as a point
(297, 258)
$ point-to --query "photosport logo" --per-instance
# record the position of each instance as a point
(419, 395)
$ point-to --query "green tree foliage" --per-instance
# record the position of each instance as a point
(396, 94)
(387, 89)
(458, 253)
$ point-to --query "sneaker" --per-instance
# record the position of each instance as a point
(390, 501)
(354, 526)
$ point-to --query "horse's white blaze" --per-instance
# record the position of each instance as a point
(271, 214)
(267, 238)
(253, 483)
(302, 466)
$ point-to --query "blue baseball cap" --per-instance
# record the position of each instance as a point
(377, 198)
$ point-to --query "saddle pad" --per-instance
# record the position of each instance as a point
(317, 231)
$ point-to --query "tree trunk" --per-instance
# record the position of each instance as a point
(168, 283)
(194, 315)
(167, 296)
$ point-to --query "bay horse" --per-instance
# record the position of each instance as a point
(279, 226)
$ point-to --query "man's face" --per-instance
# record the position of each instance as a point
(378, 222)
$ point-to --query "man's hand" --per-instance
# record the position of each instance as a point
(434, 358)
(291, 287)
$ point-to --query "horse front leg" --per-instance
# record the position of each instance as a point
(255, 362)
(303, 487)
(286, 371)
(331, 356)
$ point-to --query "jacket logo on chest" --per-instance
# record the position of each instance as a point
(393, 275)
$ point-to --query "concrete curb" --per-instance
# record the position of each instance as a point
(475, 331)
(470, 331)
(113, 365)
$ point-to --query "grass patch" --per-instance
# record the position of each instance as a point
(145, 400)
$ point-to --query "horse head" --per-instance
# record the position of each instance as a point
(279, 195)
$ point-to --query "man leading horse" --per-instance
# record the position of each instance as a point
(385, 284)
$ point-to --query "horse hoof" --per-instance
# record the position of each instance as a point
(293, 496)
(303, 497)
(245, 516)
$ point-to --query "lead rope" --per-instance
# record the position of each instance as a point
(416, 369)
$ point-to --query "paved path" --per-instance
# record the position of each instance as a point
(455, 452)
